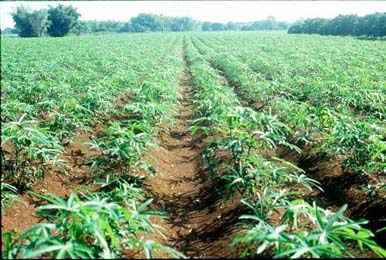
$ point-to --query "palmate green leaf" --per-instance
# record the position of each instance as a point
(110, 232)
(101, 239)
(46, 250)
(58, 207)
(40, 232)
(9, 252)
(335, 217)
(381, 252)
(51, 198)
(307, 182)
(381, 230)
(302, 248)
(144, 205)
(291, 165)
(253, 217)
(59, 204)
(61, 250)
(338, 243)
(362, 238)
(319, 218)
(316, 252)
(349, 224)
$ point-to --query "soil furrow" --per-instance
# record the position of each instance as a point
(339, 187)
(200, 222)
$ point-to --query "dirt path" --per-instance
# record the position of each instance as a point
(200, 223)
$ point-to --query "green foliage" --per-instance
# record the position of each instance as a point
(250, 102)
(93, 225)
(8, 193)
(30, 23)
(319, 113)
(279, 223)
(124, 145)
(363, 143)
(61, 19)
(370, 25)
(97, 224)
(146, 23)
(33, 149)
(304, 231)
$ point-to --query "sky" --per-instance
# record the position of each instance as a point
(213, 11)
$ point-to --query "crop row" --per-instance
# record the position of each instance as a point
(40, 115)
(343, 73)
(114, 217)
(52, 84)
(279, 221)
(332, 130)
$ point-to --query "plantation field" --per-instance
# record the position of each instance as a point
(193, 145)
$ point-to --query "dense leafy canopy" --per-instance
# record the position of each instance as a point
(159, 23)
(30, 23)
(333, 103)
(373, 25)
(96, 222)
(62, 19)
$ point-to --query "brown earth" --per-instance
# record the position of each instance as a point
(201, 223)
(340, 187)
(61, 182)
(75, 175)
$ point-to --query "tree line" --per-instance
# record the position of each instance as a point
(159, 23)
(55, 21)
(61, 20)
(372, 25)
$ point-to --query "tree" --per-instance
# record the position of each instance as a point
(269, 23)
(146, 23)
(62, 20)
(182, 24)
(206, 26)
(342, 25)
(218, 27)
(231, 26)
(9, 30)
(30, 23)
(373, 25)
(380, 25)
(126, 27)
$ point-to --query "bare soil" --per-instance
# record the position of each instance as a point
(76, 175)
(201, 223)
(340, 187)
(61, 182)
